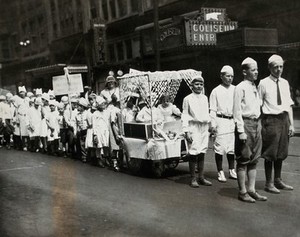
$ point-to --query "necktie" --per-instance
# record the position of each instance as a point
(278, 93)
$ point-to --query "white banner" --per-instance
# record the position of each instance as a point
(63, 85)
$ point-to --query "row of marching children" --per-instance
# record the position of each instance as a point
(83, 128)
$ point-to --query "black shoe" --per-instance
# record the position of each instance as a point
(271, 189)
(257, 196)
(204, 182)
(194, 183)
(281, 185)
(100, 163)
(245, 197)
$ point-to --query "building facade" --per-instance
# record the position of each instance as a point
(97, 36)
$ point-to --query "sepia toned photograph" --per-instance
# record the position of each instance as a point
(149, 118)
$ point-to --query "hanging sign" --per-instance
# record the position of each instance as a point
(203, 30)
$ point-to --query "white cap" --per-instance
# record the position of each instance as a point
(248, 61)
(83, 102)
(275, 58)
(38, 101)
(51, 93)
(29, 94)
(197, 78)
(45, 96)
(52, 102)
(64, 99)
(9, 96)
(60, 105)
(227, 69)
(22, 89)
(38, 91)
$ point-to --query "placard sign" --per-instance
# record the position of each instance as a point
(63, 85)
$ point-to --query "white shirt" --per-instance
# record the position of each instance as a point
(221, 101)
(268, 92)
(246, 103)
(107, 94)
(194, 108)
(169, 111)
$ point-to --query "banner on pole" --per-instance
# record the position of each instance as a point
(67, 84)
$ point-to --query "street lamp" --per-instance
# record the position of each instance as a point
(25, 43)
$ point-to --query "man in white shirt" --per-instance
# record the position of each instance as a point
(222, 123)
(248, 142)
(277, 123)
(195, 124)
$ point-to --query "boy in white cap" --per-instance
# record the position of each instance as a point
(8, 111)
(222, 123)
(246, 113)
(277, 123)
(22, 107)
(100, 126)
(53, 129)
(45, 110)
(195, 124)
(81, 129)
(34, 125)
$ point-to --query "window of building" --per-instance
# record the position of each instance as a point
(112, 6)
(147, 4)
(134, 5)
(120, 51)
(122, 6)
(104, 8)
(93, 9)
(128, 46)
(136, 47)
(55, 30)
(111, 50)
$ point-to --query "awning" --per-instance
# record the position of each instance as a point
(251, 40)
(165, 21)
(57, 68)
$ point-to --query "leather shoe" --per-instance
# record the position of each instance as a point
(244, 197)
(257, 196)
(272, 189)
(204, 182)
(194, 183)
(221, 176)
(232, 174)
(281, 185)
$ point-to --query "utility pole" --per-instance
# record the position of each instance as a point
(156, 34)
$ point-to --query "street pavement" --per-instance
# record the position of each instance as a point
(43, 195)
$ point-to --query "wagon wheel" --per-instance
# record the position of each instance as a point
(158, 168)
(172, 164)
(133, 164)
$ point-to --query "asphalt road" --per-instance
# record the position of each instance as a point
(50, 196)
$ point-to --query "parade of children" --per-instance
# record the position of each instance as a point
(89, 127)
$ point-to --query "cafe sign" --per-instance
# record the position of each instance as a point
(203, 30)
